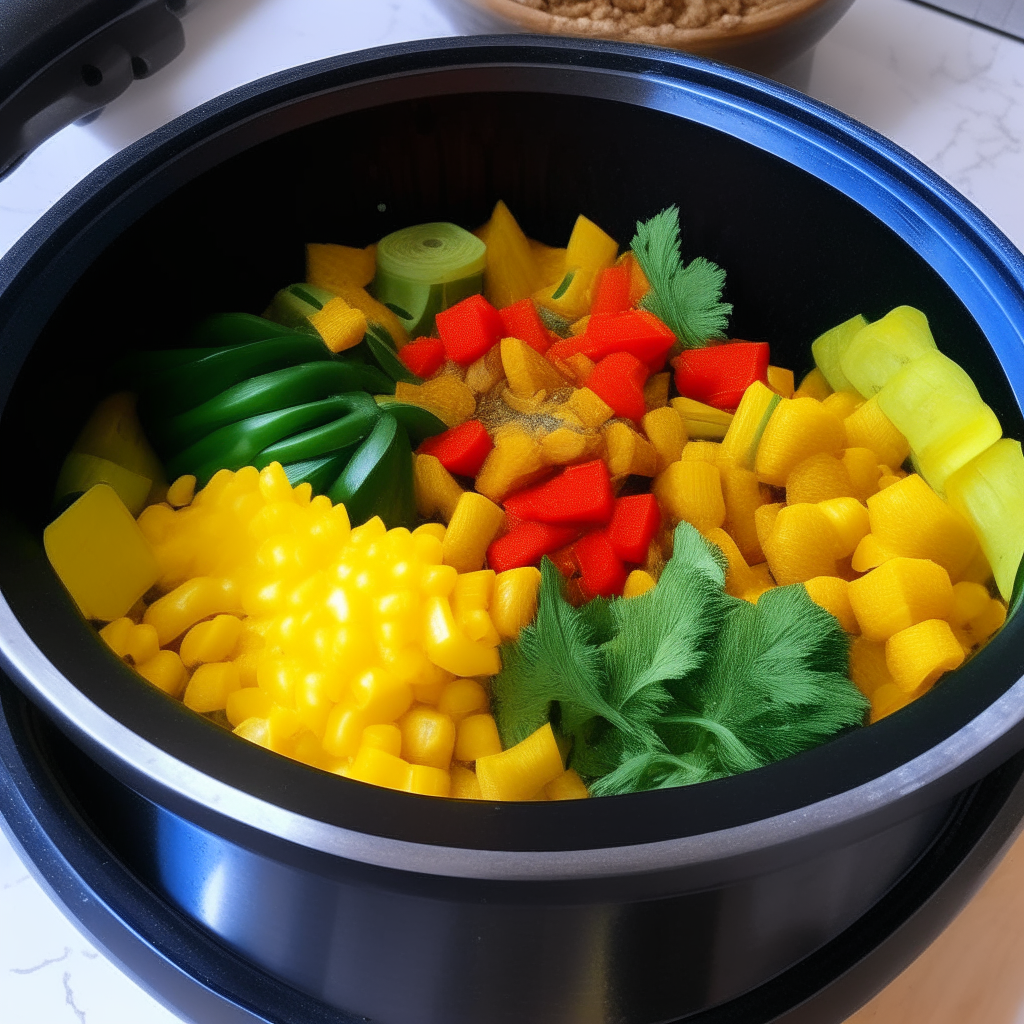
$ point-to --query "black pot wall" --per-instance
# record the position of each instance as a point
(213, 216)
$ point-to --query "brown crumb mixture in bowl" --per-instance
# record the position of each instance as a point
(650, 20)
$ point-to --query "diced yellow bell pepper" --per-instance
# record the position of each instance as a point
(100, 554)
(79, 472)
(520, 772)
(862, 466)
(429, 781)
(627, 453)
(142, 643)
(526, 370)
(991, 619)
(702, 422)
(868, 669)
(738, 577)
(592, 410)
(339, 324)
(475, 522)
(969, 601)
(743, 497)
(567, 786)
(918, 655)
(484, 374)
(437, 491)
(870, 553)
(375, 312)
(514, 603)
(334, 266)
(849, 519)
(449, 648)
(691, 491)
(755, 411)
(117, 634)
(563, 446)
(638, 582)
(665, 431)
(764, 522)
(815, 386)
(900, 593)
(781, 381)
(656, 390)
(512, 272)
(818, 478)
(843, 403)
(802, 545)
(516, 461)
(590, 248)
(798, 429)
(445, 396)
(464, 784)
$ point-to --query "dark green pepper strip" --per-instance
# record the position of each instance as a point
(235, 329)
(382, 351)
(318, 473)
(279, 389)
(327, 439)
(185, 387)
(418, 423)
(378, 478)
(235, 445)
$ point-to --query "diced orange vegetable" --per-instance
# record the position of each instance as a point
(386, 737)
(339, 324)
(849, 518)
(818, 478)
(691, 491)
(900, 593)
(462, 697)
(870, 553)
(526, 370)
(665, 431)
(985, 624)
(592, 410)
(814, 386)
(969, 601)
(868, 669)
(198, 598)
(802, 545)
(862, 466)
(798, 429)
(918, 655)
(627, 452)
(516, 461)
(743, 498)
(832, 594)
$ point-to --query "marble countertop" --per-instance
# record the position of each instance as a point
(949, 92)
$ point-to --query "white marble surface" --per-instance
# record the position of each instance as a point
(950, 93)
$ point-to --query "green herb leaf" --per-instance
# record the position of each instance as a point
(687, 297)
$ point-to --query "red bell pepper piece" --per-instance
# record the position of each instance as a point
(424, 356)
(719, 374)
(521, 320)
(636, 331)
(612, 292)
(635, 521)
(580, 495)
(619, 379)
(462, 449)
(526, 543)
(469, 329)
(602, 573)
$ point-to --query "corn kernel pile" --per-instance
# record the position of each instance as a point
(358, 651)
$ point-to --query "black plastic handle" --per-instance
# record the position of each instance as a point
(63, 60)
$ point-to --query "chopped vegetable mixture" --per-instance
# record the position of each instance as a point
(466, 515)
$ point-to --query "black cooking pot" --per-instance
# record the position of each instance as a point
(413, 910)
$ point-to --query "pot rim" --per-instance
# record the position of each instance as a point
(889, 183)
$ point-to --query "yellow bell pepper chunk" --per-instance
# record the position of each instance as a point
(832, 594)
(522, 771)
(516, 461)
(437, 491)
(100, 554)
(898, 594)
(339, 324)
(464, 785)
(798, 429)
(702, 422)
(691, 490)
(666, 433)
(475, 522)
(592, 410)
(815, 386)
(918, 655)
(445, 396)
(567, 786)
(526, 370)
(627, 452)
(338, 266)
(514, 603)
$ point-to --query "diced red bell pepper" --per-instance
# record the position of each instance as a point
(580, 495)
(636, 331)
(424, 356)
(719, 374)
(619, 379)
(469, 329)
(527, 543)
(635, 521)
(602, 573)
(612, 292)
(521, 320)
(462, 449)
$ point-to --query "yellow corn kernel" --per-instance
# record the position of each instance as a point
(428, 549)
(426, 780)
(462, 697)
(165, 671)
(436, 530)
(638, 582)
(567, 786)
(384, 736)
(477, 737)
(656, 390)
(742, 495)
(917, 655)
(818, 478)
(781, 381)
(117, 635)
(798, 429)
(870, 553)
(900, 593)
(985, 624)
(764, 522)
(428, 737)
(526, 370)
(315, 695)
(969, 601)
(255, 730)
(380, 768)
(182, 491)
(475, 522)
(628, 453)
(832, 594)
(343, 732)
(520, 772)
(843, 403)
(380, 696)
(592, 411)
(849, 519)
(101, 554)
(211, 641)
(472, 591)
(814, 386)
(308, 750)
(184, 606)
(210, 686)
(691, 491)
(665, 431)
(912, 520)
(515, 461)
(273, 483)
(862, 466)
(869, 427)
(802, 545)
(285, 725)
(438, 580)
(448, 646)
(464, 784)
(445, 396)
(868, 669)
(484, 374)
(340, 325)
(437, 491)
(563, 446)
(142, 643)
(514, 602)
(248, 702)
